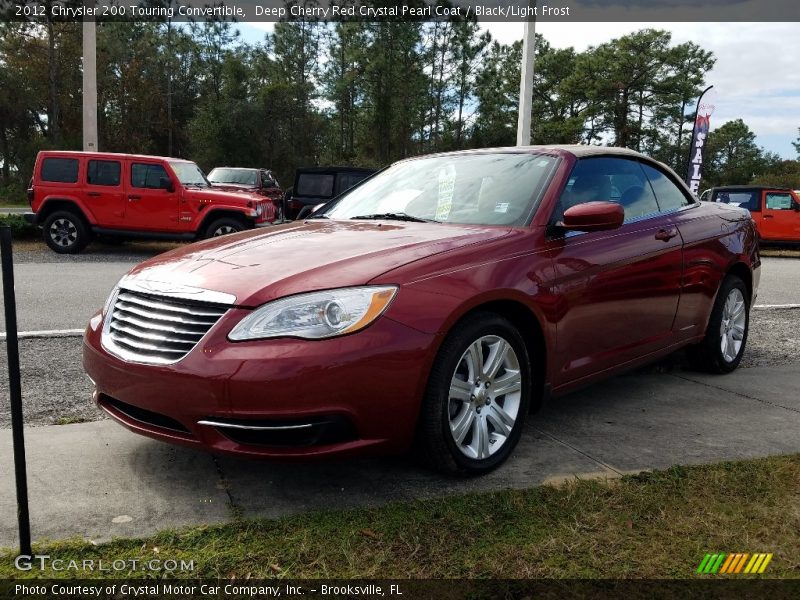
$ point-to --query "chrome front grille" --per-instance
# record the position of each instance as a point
(155, 329)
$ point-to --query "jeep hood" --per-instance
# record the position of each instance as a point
(259, 266)
(241, 196)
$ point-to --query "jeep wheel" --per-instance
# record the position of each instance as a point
(65, 232)
(224, 226)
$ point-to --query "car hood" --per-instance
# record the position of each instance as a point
(259, 266)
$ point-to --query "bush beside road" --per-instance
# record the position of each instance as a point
(651, 525)
(20, 229)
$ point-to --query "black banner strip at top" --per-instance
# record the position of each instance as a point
(560, 11)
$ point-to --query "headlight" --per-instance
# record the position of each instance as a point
(316, 315)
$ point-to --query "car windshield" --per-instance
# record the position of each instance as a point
(189, 173)
(481, 188)
(235, 176)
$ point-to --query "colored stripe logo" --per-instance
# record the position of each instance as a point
(736, 563)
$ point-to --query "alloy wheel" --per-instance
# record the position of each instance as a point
(484, 397)
(732, 325)
(224, 230)
(63, 232)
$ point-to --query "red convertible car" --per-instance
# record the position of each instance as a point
(436, 305)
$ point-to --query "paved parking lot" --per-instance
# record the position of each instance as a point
(97, 480)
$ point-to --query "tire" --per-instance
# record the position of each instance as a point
(66, 232)
(722, 348)
(461, 417)
(224, 226)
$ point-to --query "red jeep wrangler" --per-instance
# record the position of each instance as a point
(74, 195)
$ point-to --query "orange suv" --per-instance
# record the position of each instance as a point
(776, 211)
(75, 195)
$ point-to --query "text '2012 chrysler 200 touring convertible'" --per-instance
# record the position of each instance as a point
(436, 305)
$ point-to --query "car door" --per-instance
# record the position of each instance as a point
(104, 193)
(780, 219)
(702, 233)
(149, 206)
(619, 288)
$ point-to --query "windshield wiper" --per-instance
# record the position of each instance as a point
(394, 216)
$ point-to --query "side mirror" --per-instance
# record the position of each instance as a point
(593, 216)
(165, 183)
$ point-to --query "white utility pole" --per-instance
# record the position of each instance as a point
(526, 81)
(89, 83)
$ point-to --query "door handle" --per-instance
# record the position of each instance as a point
(132, 198)
(766, 216)
(666, 235)
(92, 193)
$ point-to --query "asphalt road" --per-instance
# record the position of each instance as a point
(780, 281)
(62, 292)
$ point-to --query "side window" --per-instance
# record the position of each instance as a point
(779, 201)
(348, 180)
(60, 170)
(668, 194)
(749, 199)
(103, 172)
(147, 176)
(609, 179)
(315, 184)
(267, 180)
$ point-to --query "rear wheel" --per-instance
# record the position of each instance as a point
(722, 348)
(224, 226)
(477, 398)
(65, 232)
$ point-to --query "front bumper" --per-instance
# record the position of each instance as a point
(31, 218)
(347, 396)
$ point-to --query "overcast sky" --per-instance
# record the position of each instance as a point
(756, 76)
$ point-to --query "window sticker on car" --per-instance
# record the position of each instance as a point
(447, 186)
(543, 163)
(501, 207)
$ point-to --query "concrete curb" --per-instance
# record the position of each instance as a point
(48, 333)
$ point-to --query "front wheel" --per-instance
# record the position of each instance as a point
(224, 226)
(477, 397)
(65, 232)
(722, 348)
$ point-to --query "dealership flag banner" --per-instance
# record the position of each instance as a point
(699, 137)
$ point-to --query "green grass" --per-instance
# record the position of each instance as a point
(651, 525)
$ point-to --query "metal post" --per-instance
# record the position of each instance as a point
(526, 81)
(169, 81)
(89, 82)
(15, 387)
